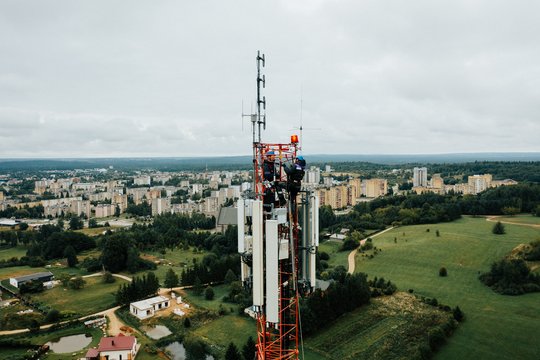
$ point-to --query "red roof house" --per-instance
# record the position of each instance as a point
(117, 348)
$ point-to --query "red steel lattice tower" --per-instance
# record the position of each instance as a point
(278, 259)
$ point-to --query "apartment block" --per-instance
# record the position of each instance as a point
(420, 176)
(479, 183)
(104, 210)
(373, 188)
(160, 206)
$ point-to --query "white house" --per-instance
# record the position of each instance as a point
(147, 308)
(115, 348)
(41, 276)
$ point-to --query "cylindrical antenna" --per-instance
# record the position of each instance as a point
(261, 119)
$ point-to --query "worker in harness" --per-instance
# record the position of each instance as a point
(295, 173)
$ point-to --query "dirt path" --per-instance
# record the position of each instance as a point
(494, 218)
(120, 276)
(352, 255)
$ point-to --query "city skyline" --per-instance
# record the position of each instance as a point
(167, 80)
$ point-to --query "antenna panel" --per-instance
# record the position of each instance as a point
(258, 254)
(272, 275)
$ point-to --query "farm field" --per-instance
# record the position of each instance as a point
(496, 326)
(95, 296)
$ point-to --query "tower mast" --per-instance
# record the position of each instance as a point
(278, 257)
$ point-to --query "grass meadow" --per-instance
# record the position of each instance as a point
(496, 326)
(331, 247)
(95, 296)
(17, 251)
(522, 219)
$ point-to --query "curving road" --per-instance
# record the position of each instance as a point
(352, 255)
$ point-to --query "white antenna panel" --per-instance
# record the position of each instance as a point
(272, 275)
(258, 254)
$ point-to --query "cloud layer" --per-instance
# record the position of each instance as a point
(168, 78)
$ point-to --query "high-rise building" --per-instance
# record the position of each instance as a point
(420, 176)
(373, 188)
(437, 182)
(313, 176)
(479, 183)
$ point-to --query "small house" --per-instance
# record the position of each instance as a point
(147, 308)
(115, 348)
(41, 277)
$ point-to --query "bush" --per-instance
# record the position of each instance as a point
(443, 272)
(436, 338)
(209, 293)
(324, 256)
(498, 228)
(511, 277)
(349, 244)
(52, 316)
(458, 314)
(91, 264)
(108, 278)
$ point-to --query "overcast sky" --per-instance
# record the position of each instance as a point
(167, 78)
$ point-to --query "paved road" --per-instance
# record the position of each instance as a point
(352, 255)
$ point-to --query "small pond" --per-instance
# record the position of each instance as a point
(69, 344)
(179, 352)
(157, 332)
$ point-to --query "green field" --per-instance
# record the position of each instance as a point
(17, 251)
(391, 327)
(496, 326)
(94, 297)
(199, 300)
(522, 219)
(93, 231)
(226, 329)
(178, 258)
(337, 257)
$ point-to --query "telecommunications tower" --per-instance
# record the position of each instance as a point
(278, 236)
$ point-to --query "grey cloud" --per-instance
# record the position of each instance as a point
(120, 78)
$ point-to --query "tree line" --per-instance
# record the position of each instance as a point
(344, 294)
(513, 276)
(138, 289)
(432, 208)
(121, 250)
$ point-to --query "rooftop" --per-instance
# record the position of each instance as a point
(34, 276)
(116, 343)
(148, 303)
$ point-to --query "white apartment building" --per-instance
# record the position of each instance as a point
(142, 180)
(420, 176)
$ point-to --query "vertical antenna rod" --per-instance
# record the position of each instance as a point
(261, 119)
